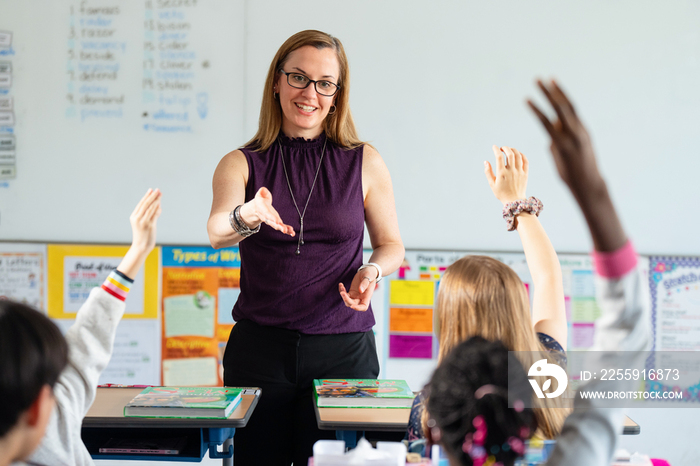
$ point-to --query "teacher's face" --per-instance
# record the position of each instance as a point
(303, 110)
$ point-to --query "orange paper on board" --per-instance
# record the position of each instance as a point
(411, 319)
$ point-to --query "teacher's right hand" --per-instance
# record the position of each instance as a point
(259, 210)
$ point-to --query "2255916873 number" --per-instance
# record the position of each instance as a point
(636, 374)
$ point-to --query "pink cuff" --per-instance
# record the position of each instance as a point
(617, 263)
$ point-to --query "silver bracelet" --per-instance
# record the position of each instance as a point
(376, 266)
(239, 226)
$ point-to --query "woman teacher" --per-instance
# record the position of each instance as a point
(296, 197)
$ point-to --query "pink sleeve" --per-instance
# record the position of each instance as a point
(617, 263)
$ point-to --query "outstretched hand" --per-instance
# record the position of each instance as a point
(571, 145)
(143, 221)
(361, 289)
(510, 181)
(260, 210)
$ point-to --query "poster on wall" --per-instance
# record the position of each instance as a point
(412, 293)
(579, 294)
(74, 270)
(200, 287)
(674, 285)
(23, 273)
(411, 318)
(136, 353)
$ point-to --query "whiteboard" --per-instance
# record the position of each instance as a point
(111, 98)
(434, 85)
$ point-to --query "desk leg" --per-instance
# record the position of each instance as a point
(228, 461)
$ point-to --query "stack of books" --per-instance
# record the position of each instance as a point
(184, 402)
(362, 393)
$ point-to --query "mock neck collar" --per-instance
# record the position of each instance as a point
(301, 142)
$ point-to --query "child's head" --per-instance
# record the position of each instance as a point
(32, 355)
(468, 405)
(482, 296)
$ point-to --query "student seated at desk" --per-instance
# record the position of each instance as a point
(481, 296)
(466, 425)
(34, 353)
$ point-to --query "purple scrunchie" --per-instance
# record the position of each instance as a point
(512, 209)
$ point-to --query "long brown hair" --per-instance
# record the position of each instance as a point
(339, 126)
(481, 296)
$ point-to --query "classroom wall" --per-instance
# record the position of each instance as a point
(434, 85)
(434, 138)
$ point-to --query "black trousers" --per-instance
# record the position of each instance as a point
(283, 429)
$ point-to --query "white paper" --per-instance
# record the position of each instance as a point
(190, 372)
(82, 274)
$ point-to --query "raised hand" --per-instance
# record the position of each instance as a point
(259, 210)
(143, 233)
(510, 181)
(575, 160)
(571, 145)
(361, 289)
(143, 221)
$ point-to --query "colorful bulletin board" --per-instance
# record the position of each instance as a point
(412, 347)
(73, 270)
(200, 287)
(23, 273)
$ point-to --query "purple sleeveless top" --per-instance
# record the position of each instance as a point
(300, 292)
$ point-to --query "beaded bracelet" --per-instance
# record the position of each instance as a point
(238, 225)
(512, 209)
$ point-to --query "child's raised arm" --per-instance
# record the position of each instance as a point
(508, 185)
(91, 340)
(590, 433)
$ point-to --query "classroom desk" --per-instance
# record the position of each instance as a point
(391, 419)
(105, 419)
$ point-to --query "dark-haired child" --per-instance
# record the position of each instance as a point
(33, 354)
(468, 405)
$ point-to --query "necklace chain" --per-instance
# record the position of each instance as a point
(313, 185)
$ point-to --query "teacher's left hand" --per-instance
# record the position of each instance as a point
(361, 289)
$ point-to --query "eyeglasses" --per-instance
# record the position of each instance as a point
(300, 81)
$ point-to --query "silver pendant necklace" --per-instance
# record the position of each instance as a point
(289, 185)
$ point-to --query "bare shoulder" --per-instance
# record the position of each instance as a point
(372, 163)
(233, 164)
(370, 154)
(233, 159)
(375, 174)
